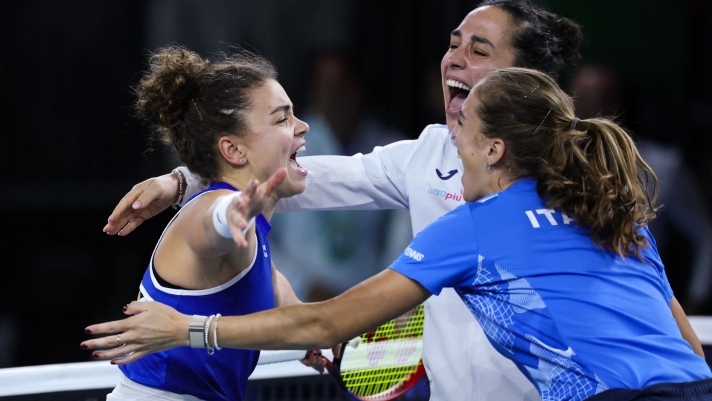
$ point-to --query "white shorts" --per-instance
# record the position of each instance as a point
(129, 390)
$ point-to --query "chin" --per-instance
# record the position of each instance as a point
(291, 187)
(470, 198)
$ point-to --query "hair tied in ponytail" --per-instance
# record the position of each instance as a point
(573, 123)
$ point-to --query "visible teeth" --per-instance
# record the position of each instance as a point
(301, 148)
(455, 84)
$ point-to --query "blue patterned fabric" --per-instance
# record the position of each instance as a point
(576, 320)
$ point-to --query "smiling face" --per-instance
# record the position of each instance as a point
(478, 45)
(477, 151)
(275, 136)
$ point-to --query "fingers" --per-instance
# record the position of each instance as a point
(123, 212)
(138, 307)
(129, 358)
(336, 349)
(143, 201)
(132, 224)
(274, 181)
(116, 326)
(237, 221)
(315, 360)
(251, 189)
(119, 326)
(117, 352)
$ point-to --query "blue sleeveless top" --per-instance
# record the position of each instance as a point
(185, 370)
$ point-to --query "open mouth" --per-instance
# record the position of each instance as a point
(458, 94)
(293, 160)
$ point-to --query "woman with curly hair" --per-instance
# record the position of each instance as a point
(551, 254)
(233, 124)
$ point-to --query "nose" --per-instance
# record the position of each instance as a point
(301, 128)
(456, 58)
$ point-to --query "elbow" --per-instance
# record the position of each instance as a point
(324, 334)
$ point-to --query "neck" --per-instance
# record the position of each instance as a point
(241, 181)
(499, 182)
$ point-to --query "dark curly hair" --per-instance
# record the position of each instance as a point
(542, 40)
(193, 101)
(593, 171)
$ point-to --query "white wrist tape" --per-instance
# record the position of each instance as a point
(220, 216)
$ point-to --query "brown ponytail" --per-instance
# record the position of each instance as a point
(594, 172)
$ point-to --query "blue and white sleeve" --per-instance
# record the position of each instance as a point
(444, 254)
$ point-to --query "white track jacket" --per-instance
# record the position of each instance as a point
(424, 176)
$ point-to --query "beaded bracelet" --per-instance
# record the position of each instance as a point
(215, 333)
(210, 349)
(181, 192)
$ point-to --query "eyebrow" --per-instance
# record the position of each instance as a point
(283, 109)
(474, 38)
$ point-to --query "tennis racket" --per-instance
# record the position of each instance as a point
(381, 364)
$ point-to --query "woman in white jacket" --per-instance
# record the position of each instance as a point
(424, 176)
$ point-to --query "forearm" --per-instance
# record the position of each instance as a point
(323, 324)
(359, 182)
(685, 327)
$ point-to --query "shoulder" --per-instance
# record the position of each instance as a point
(435, 133)
(202, 201)
(452, 226)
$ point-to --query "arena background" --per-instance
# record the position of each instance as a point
(70, 146)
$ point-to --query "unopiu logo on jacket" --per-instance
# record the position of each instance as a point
(413, 254)
(444, 194)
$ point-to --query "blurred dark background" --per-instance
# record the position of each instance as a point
(70, 147)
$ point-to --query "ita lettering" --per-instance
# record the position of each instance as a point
(547, 216)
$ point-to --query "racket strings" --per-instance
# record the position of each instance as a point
(387, 356)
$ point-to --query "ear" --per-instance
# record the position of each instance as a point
(233, 150)
(496, 150)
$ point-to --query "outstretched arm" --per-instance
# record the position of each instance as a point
(361, 182)
(151, 197)
(218, 229)
(158, 327)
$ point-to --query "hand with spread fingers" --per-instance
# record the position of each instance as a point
(154, 327)
(145, 200)
(251, 202)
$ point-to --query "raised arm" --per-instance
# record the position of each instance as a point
(360, 182)
(222, 223)
(157, 327)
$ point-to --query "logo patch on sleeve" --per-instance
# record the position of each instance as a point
(413, 254)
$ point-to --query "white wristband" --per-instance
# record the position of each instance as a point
(192, 185)
(220, 216)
